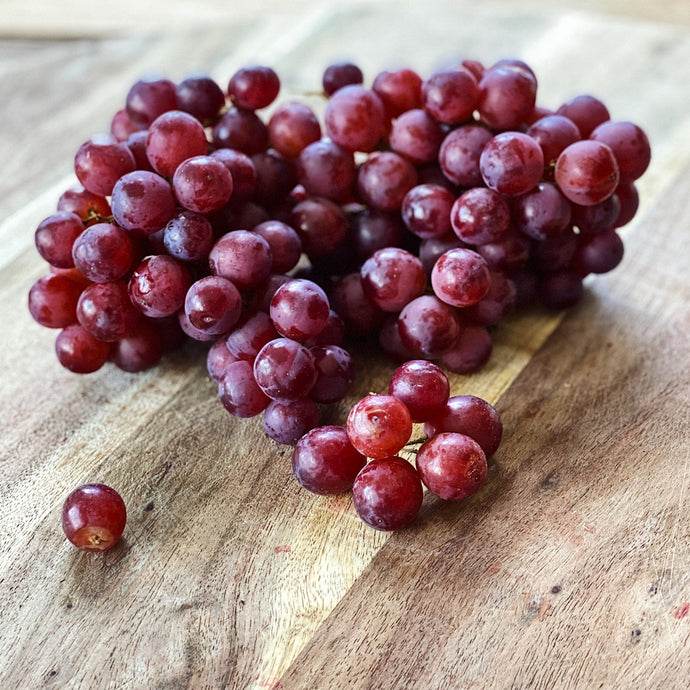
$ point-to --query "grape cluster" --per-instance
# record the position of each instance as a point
(451, 461)
(417, 213)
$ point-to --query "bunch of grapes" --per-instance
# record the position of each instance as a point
(419, 215)
(460, 433)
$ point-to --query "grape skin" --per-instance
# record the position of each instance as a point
(452, 466)
(387, 494)
(379, 426)
(94, 517)
(325, 462)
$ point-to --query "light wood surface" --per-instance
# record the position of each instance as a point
(569, 569)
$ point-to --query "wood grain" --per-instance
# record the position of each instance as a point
(569, 569)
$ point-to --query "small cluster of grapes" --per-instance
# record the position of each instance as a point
(421, 214)
(460, 434)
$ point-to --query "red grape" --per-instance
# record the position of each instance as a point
(286, 421)
(587, 172)
(253, 88)
(55, 236)
(94, 517)
(428, 327)
(325, 462)
(285, 370)
(299, 309)
(388, 494)
(460, 277)
(239, 392)
(422, 387)
(379, 426)
(79, 351)
(451, 465)
(340, 74)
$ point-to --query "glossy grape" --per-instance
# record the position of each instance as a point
(251, 333)
(384, 179)
(507, 95)
(451, 465)
(79, 351)
(149, 98)
(511, 163)
(630, 147)
(239, 392)
(335, 372)
(321, 225)
(325, 462)
(450, 97)
(94, 517)
(480, 216)
(416, 135)
(142, 201)
(541, 213)
(243, 257)
(285, 370)
(428, 327)
(253, 88)
(158, 286)
(202, 184)
(292, 127)
(355, 118)
(53, 301)
(299, 309)
(218, 358)
(426, 210)
(392, 277)
(400, 90)
(379, 426)
(460, 153)
(388, 494)
(286, 421)
(587, 172)
(587, 112)
(460, 277)
(200, 97)
(241, 170)
(100, 162)
(422, 387)
(172, 138)
(213, 304)
(105, 311)
(188, 236)
(327, 170)
(103, 252)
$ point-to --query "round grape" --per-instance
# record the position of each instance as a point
(452, 466)
(94, 517)
(379, 426)
(388, 494)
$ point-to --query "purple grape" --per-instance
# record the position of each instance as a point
(287, 421)
(243, 257)
(285, 370)
(239, 392)
(325, 462)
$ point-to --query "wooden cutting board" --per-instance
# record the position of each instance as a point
(569, 569)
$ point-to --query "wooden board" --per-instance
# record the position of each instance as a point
(570, 568)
